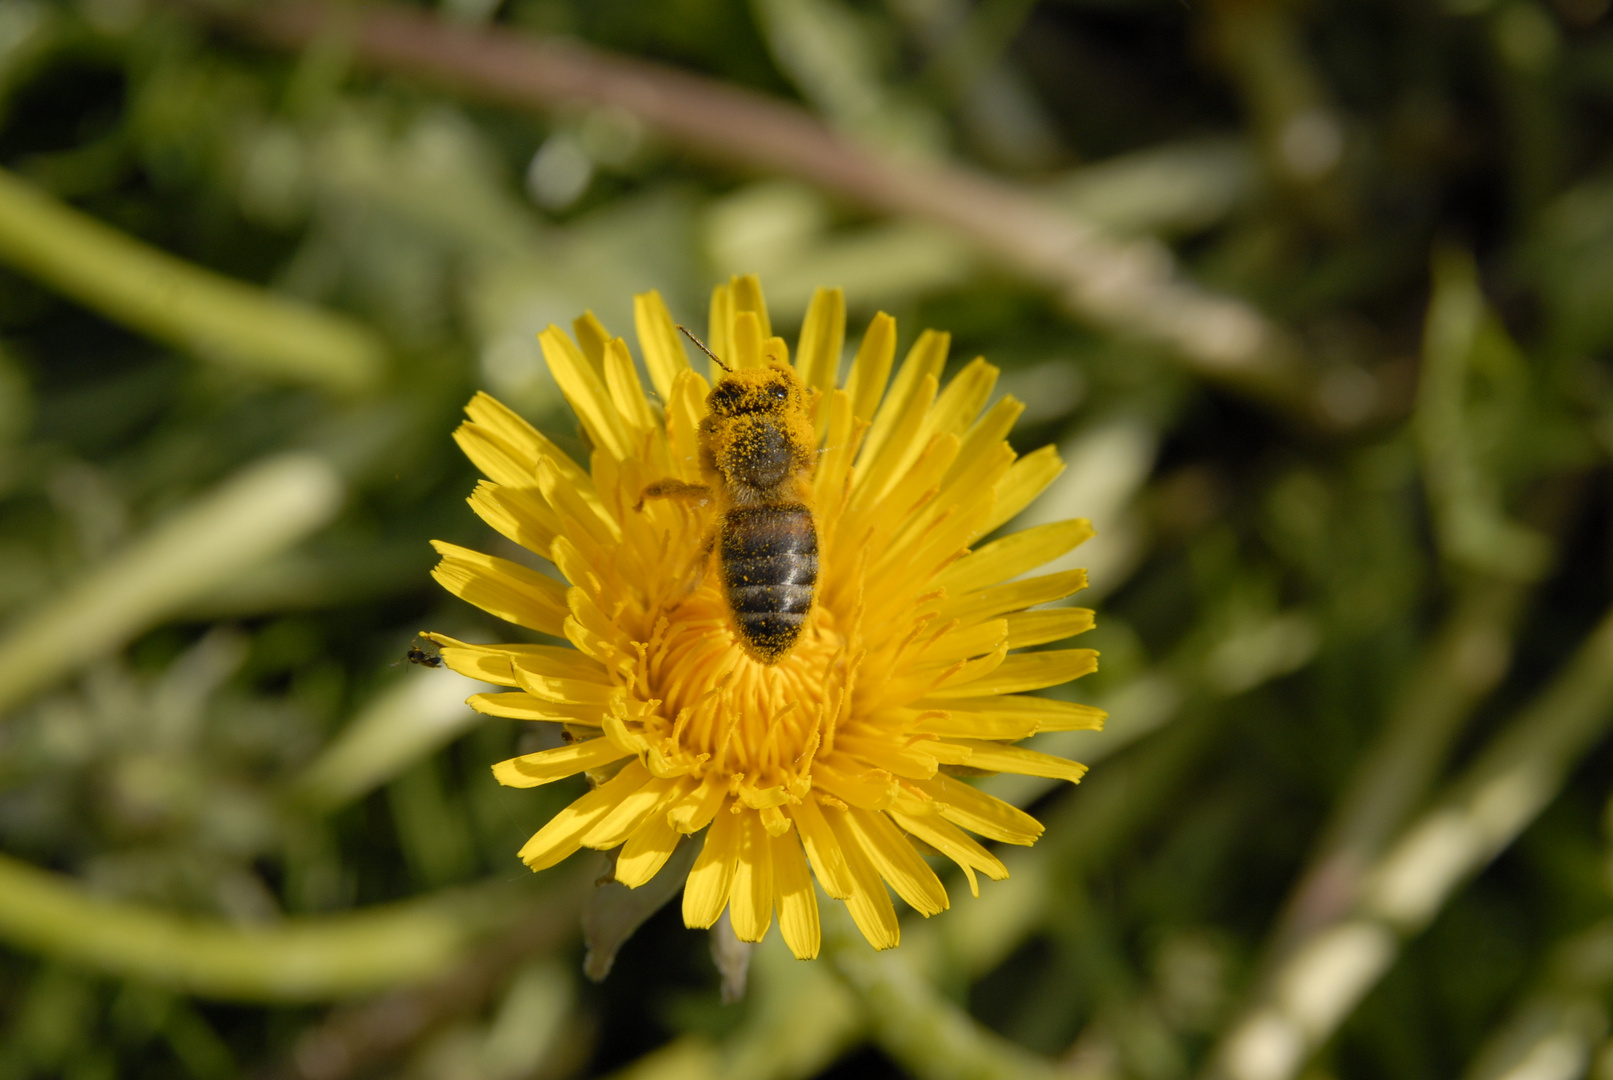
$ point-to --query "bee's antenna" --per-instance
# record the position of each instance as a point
(705, 350)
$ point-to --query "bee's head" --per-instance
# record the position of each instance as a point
(773, 389)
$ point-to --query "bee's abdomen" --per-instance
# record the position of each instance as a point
(769, 566)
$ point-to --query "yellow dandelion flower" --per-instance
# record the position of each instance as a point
(841, 760)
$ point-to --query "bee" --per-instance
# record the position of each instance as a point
(757, 449)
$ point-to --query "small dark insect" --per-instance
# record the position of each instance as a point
(417, 655)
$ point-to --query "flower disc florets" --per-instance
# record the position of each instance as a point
(832, 761)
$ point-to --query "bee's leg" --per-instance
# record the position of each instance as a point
(701, 564)
(672, 489)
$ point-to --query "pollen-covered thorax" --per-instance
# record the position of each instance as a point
(758, 432)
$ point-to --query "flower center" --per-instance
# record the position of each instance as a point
(724, 713)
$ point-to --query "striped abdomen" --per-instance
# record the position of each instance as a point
(769, 567)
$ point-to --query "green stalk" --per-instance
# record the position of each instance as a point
(264, 509)
(183, 305)
(304, 959)
(1563, 1020)
(1459, 667)
(1325, 975)
(926, 1034)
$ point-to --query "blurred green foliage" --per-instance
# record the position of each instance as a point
(243, 294)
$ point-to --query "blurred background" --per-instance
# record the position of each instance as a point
(1315, 297)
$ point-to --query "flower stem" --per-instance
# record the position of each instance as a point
(1464, 661)
(214, 317)
(1327, 973)
(264, 509)
(1562, 1019)
(306, 959)
(925, 1033)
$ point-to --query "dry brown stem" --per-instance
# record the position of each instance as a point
(1130, 287)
